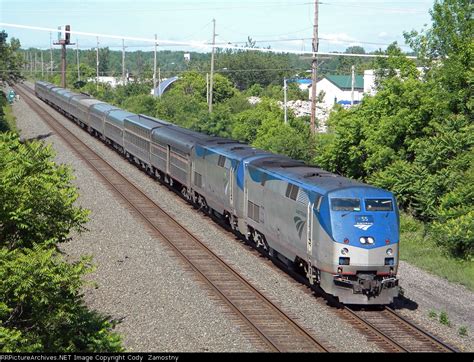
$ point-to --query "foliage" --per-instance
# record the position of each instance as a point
(444, 319)
(42, 309)
(140, 104)
(246, 67)
(418, 247)
(246, 124)
(283, 139)
(11, 60)
(7, 120)
(343, 64)
(463, 331)
(36, 198)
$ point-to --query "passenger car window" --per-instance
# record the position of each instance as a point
(378, 205)
(345, 204)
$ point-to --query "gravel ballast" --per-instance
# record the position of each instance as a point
(140, 280)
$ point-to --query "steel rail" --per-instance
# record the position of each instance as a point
(393, 332)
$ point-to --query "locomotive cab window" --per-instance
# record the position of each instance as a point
(345, 204)
(292, 191)
(378, 205)
(221, 161)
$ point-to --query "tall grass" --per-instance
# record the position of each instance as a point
(417, 248)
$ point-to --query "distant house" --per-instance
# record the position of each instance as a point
(370, 87)
(112, 81)
(338, 89)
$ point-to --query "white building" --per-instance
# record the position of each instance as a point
(112, 81)
(369, 80)
(338, 89)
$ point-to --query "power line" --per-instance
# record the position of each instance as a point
(194, 44)
(307, 39)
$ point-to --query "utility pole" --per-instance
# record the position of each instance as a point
(97, 65)
(314, 66)
(50, 55)
(35, 65)
(42, 66)
(123, 61)
(207, 88)
(63, 65)
(154, 66)
(77, 56)
(211, 82)
(285, 88)
(352, 85)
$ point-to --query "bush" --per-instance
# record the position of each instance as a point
(41, 305)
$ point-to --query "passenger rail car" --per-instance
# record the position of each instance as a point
(341, 234)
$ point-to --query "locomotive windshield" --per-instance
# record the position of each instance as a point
(345, 204)
(378, 205)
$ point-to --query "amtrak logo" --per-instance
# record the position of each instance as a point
(299, 225)
(364, 227)
(364, 222)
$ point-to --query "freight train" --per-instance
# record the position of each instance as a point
(341, 234)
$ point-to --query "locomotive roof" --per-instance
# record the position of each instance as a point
(235, 149)
(311, 176)
(145, 122)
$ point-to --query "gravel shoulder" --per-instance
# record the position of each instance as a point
(139, 279)
(425, 293)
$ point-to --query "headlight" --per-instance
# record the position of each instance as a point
(344, 251)
(389, 252)
(362, 240)
(370, 240)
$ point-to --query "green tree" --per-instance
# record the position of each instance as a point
(275, 136)
(246, 124)
(42, 309)
(246, 67)
(11, 60)
(144, 104)
(36, 197)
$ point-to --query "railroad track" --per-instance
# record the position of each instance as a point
(268, 322)
(392, 332)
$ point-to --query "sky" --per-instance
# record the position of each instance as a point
(282, 25)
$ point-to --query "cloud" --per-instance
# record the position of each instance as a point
(383, 34)
(339, 38)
